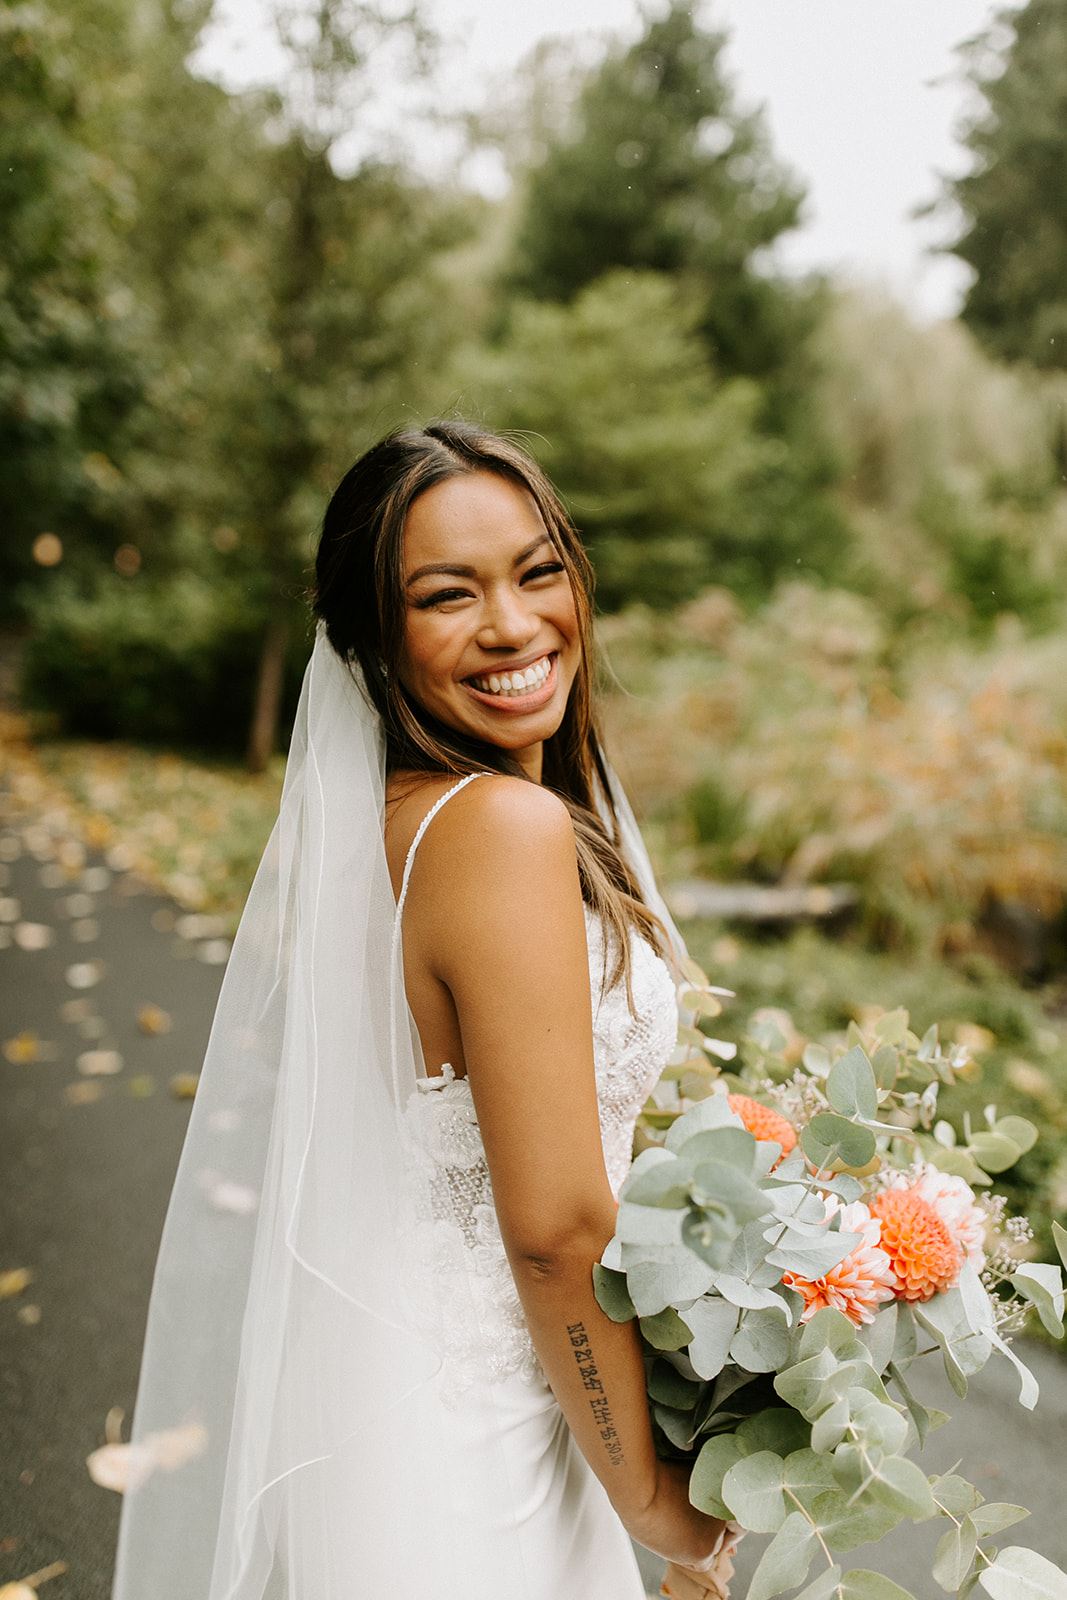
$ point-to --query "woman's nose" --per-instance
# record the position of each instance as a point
(509, 620)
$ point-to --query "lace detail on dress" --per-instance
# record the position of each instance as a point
(630, 1051)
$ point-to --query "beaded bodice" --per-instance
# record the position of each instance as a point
(456, 1243)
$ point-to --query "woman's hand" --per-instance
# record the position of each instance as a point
(689, 1583)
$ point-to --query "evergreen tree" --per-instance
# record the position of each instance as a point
(1014, 198)
(658, 170)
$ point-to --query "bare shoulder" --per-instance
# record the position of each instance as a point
(499, 826)
(501, 853)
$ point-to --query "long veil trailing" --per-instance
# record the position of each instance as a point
(291, 1427)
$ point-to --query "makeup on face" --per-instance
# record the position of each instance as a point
(492, 638)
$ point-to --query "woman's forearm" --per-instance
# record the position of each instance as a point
(595, 1369)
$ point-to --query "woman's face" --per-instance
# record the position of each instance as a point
(491, 637)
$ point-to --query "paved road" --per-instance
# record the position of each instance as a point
(86, 1183)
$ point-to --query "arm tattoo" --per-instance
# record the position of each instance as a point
(598, 1404)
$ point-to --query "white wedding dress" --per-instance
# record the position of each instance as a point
(551, 1526)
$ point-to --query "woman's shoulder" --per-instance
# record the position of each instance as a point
(494, 824)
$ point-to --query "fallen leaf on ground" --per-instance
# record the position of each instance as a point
(84, 1093)
(183, 1085)
(23, 1048)
(33, 935)
(29, 1314)
(141, 1086)
(99, 1063)
(152, 1019)
(14, 1280)
(83, 974)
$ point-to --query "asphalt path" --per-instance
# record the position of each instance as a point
(120, 979)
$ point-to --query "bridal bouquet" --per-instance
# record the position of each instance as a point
(791, 1247)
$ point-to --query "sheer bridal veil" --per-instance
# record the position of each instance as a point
(289, 1398)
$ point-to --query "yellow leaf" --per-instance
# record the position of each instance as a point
(152, 1019)
(14, 1281)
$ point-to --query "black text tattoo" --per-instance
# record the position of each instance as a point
(599, 1405)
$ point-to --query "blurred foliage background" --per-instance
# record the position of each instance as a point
(831, 542)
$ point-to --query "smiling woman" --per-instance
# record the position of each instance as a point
(447, 1002)
(494, 652)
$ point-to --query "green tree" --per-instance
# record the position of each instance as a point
(661, 461)
(71, 367)
(657, 169)
(1014, 199)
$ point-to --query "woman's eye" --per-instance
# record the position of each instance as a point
(546, 569)
(440, 597)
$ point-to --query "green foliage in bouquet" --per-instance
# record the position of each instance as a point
(789, 1253)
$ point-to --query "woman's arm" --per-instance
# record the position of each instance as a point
(503, 928)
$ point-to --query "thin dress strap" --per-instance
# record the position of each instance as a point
(395, 959)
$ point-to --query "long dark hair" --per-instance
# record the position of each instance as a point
(359, 596)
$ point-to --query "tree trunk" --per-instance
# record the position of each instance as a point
(263, 732)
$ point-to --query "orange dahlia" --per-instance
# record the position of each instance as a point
(925, 1257)
(762, 1122)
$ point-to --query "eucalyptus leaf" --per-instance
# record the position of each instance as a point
(829, 1329)
(1020, 1131)
(828, 1138)
(657, 1279)
(831, 1426)
(851, 1087)
(753, 1489)
(954, 1554)
(667, 1386)
(715, 1460)
(995, 1516)
(749, 1297)
(786, 1560)
(808, 1475)
(777, 1428)
(666, 1330)
(1020, 1574)
(716, 1184)
(955, 1496)
(714, 1323)
(920, 1415)
(762, 1342)
(803, 1386)
(612, 1295)
(1042, 1285)
(714, 1112)
(903, 1485)
(665, 1185)
(994, 1151)
(710, 1235)
(813, 1257)
(880, 1336)
(845, 1525)
(1059, 1236)
(733, 1147)
(824, 1587)
(860, 1584)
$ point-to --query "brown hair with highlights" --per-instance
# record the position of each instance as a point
(359, 596)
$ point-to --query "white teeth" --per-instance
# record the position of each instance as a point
(508, 683)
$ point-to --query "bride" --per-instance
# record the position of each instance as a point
(375, 1365)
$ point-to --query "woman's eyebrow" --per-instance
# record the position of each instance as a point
(450, 569)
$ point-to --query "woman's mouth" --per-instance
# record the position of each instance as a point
(524, 689)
